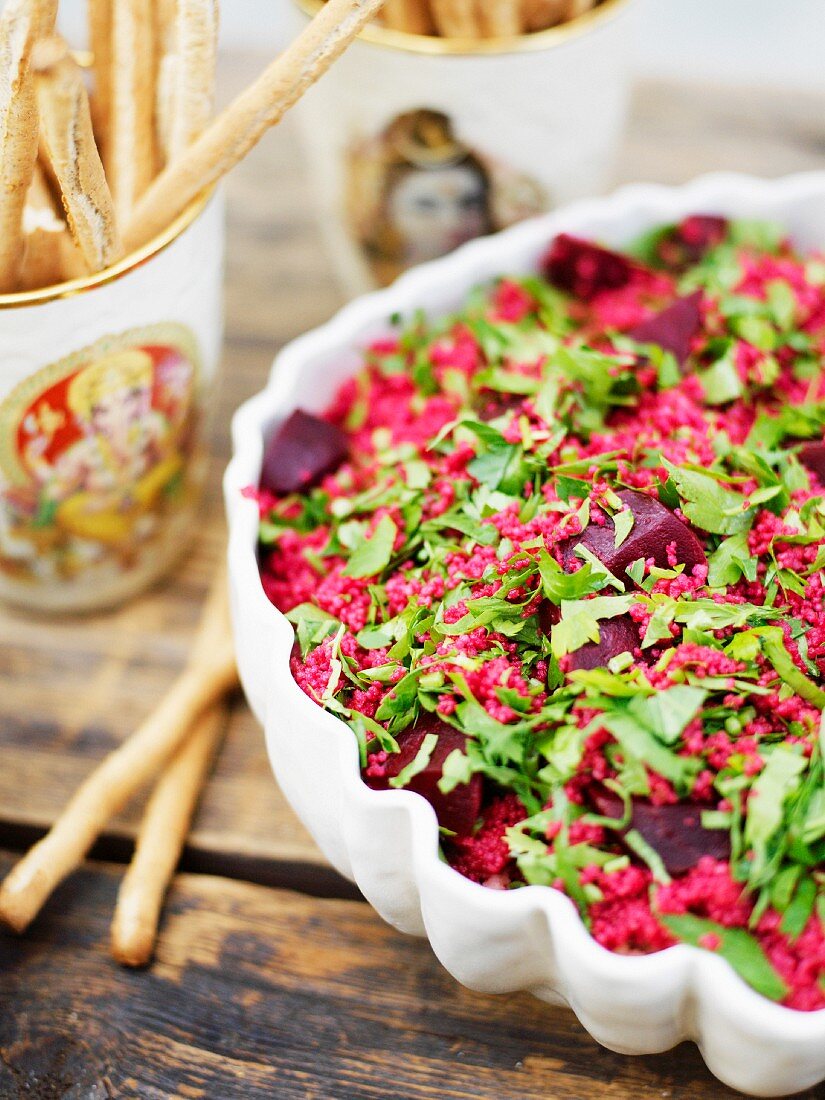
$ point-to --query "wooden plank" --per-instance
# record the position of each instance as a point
(71, 690)
(261, 993)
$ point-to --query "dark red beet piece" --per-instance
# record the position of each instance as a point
(619, 635)
(673, 830)
(812, 457)
(460, 809)
(691, 239)
(654, 528)
(584, 269)
(492, 404)
(549, 614)
(674, 328)
(300, 453)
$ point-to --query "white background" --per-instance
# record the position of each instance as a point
(775, 42)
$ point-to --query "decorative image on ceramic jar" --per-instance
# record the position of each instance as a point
(417, 143)
(104, 398)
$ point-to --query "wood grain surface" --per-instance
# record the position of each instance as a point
(266, 993)
(258, 991)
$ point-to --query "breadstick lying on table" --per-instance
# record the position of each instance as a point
(195, 58)
(161, 839)
(411, 16)
(66, 125)
(234, 132)
(131, 155)
(456, 18)
(208, 676)
(21, 24)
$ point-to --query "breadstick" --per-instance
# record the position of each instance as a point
(51, 255)
(161, 839)
(165, 108)
(540, 14)
(166, 14)
(411, 16)
(456, 18)
(166, 80)
(209, 674)
(99, 20)
(575, 8)
(21, 24)
(72, 154)
(234, 132)
(130, 151)
(500, 18)
(196, 48)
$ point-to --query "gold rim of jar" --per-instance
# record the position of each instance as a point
(377, 35)
(19, 299)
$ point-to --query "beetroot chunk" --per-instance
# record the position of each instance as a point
(690, 240)
(301, 453)
(492, 404)
(812, 457)
(673, 830)
(619, 635)
(457, 811)
(674, 328)
(654, 529)
(548, 614)
(584, 269)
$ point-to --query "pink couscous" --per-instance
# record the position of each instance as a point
(557, 560)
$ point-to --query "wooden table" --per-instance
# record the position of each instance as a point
(272, 978)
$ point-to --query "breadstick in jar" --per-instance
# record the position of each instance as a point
(410, 16)
(51, 255)
(540, 14)
(21, 24)
(66, 124)
(192, 76)
(575, 8)
(501, 18)
(99, 30)
(130, 150)
(456, 18)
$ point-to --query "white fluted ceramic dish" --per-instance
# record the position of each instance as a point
(387, 841)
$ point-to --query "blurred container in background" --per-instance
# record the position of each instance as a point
(417, 144)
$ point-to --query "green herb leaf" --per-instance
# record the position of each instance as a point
(736, 946)
(707, 503)
(372, 554)
(559, 585)
(721, 381)
(623, 523)
(667, 712)
(580, 621)
(731, 560)
(418, 763)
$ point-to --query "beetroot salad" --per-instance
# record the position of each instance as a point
(557, 560)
